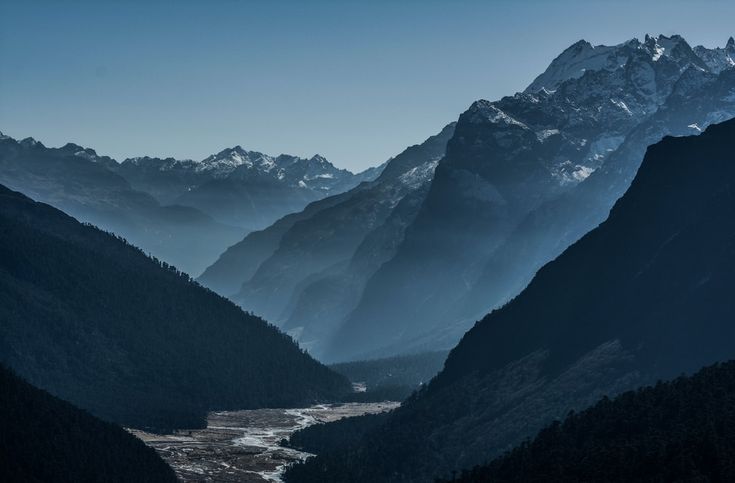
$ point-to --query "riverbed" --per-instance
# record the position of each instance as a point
(244, 445)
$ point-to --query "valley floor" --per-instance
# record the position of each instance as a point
(243, 445)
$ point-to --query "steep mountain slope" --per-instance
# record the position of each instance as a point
(46, 439)
(339, 247)
(493, 213)
(646, 295)
(240, 261)
(675, 431)
(84, 184)
(290, 271)
(94, 321)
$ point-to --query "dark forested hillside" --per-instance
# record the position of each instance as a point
(94, 321)
(683, 430)
(409, 370)
(46, 439)
(646, 295)
(337, 435)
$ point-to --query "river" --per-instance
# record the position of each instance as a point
(243, 445)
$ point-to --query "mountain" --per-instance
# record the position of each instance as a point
(85, 185)
(306, 271)
(524, 177)
(644, 296)
(718, 59)
(46, 439)
(182, 211)
(91, 319)
(674, 431)
(242, 188)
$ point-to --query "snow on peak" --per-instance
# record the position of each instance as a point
(318, 158)
(663, 46)
(583, 57)
(226, 161)
(415, 177)
(482, 111)
(572, 63)
(718, 59)
(546, 133)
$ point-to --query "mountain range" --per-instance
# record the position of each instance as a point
(184, 212)
(644, 296)
(497, 194)
(241, 188)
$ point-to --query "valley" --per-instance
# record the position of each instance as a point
(244, 445)
(519, 268)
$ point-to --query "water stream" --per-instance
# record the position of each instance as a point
(244, 445)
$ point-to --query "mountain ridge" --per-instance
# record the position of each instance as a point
(511, 158)
(644, 296)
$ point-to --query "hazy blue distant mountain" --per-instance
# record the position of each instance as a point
(86, 186)
(523, 178)
(94, 321)
(307, 270)
(646, 295)
(182, 211)
(239, 187)
(46, 439)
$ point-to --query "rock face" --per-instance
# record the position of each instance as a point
(644, 296)
(182, 211)
(525, 176)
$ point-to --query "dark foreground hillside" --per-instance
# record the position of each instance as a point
(94, 321)
(45, 439)
(683, 430)
(391, 378)
(645, 296)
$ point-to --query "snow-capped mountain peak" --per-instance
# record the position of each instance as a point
(319, 159)
(227, 160)
(583, 57)
(572, 63)
(718, 59)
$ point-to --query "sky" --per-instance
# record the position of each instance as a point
(357, 82)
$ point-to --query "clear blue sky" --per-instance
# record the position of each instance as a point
(354, 81)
